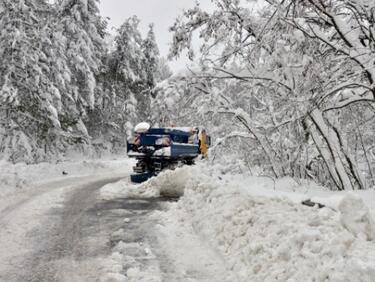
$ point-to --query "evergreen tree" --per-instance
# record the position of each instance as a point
(126, 73)
(61, 86)
(81, 24)
(81, 30)
(151, 57)
(122, 80)
(30, 102)
(127, 60)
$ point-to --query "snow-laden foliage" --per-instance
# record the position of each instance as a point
(82, 26)
(294, 79)
(151, 57)
(30, 96)
(131, 71)
(62, 86)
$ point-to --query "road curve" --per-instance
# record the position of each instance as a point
(65, 232)
(44, 226)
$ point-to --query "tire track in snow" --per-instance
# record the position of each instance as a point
(26, 223)
(77, 237)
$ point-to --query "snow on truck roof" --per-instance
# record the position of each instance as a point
(142, 127)
(185, 129)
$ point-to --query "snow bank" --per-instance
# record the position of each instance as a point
(173, 183)
(356, 217)
(260, 228)
(168, 183)
(265, 234)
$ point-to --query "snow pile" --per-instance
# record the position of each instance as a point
(355, 217)
(259, 228)
(168, 184)
(126, 189)
(173, 183)
(265, 237)
(189, 254)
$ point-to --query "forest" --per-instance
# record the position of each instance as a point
(66, 82)
(286, 90)
(289, 89)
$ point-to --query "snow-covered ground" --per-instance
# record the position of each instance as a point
(19, 180)
(28, 196)
(258, 228)
(225, 226)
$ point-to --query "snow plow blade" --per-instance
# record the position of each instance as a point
(141, 177)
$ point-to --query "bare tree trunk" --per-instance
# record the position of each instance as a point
(340, 164)
(268, 150)
(325, 153)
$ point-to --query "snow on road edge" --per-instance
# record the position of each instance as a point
(23, 210)
(261, 229)
(20, 180)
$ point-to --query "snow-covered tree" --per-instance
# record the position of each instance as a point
(151, 57)
(163, 70)
(84, 29)
(62, 86)
(130, 74)
(124, 77)
(296, 76)
(126, 61)
(29, 97)
(78, 51)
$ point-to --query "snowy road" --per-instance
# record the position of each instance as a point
(44, 227)
(227, 228)
(67, 233)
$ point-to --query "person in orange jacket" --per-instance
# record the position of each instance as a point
(203, 143)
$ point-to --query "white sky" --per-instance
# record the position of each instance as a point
(160, 12)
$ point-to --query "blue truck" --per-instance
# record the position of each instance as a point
(157, 149)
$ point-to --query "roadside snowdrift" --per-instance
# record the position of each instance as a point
(168, 183)
(263, 232)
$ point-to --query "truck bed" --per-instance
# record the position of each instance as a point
(178, 150)
(174, 151)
